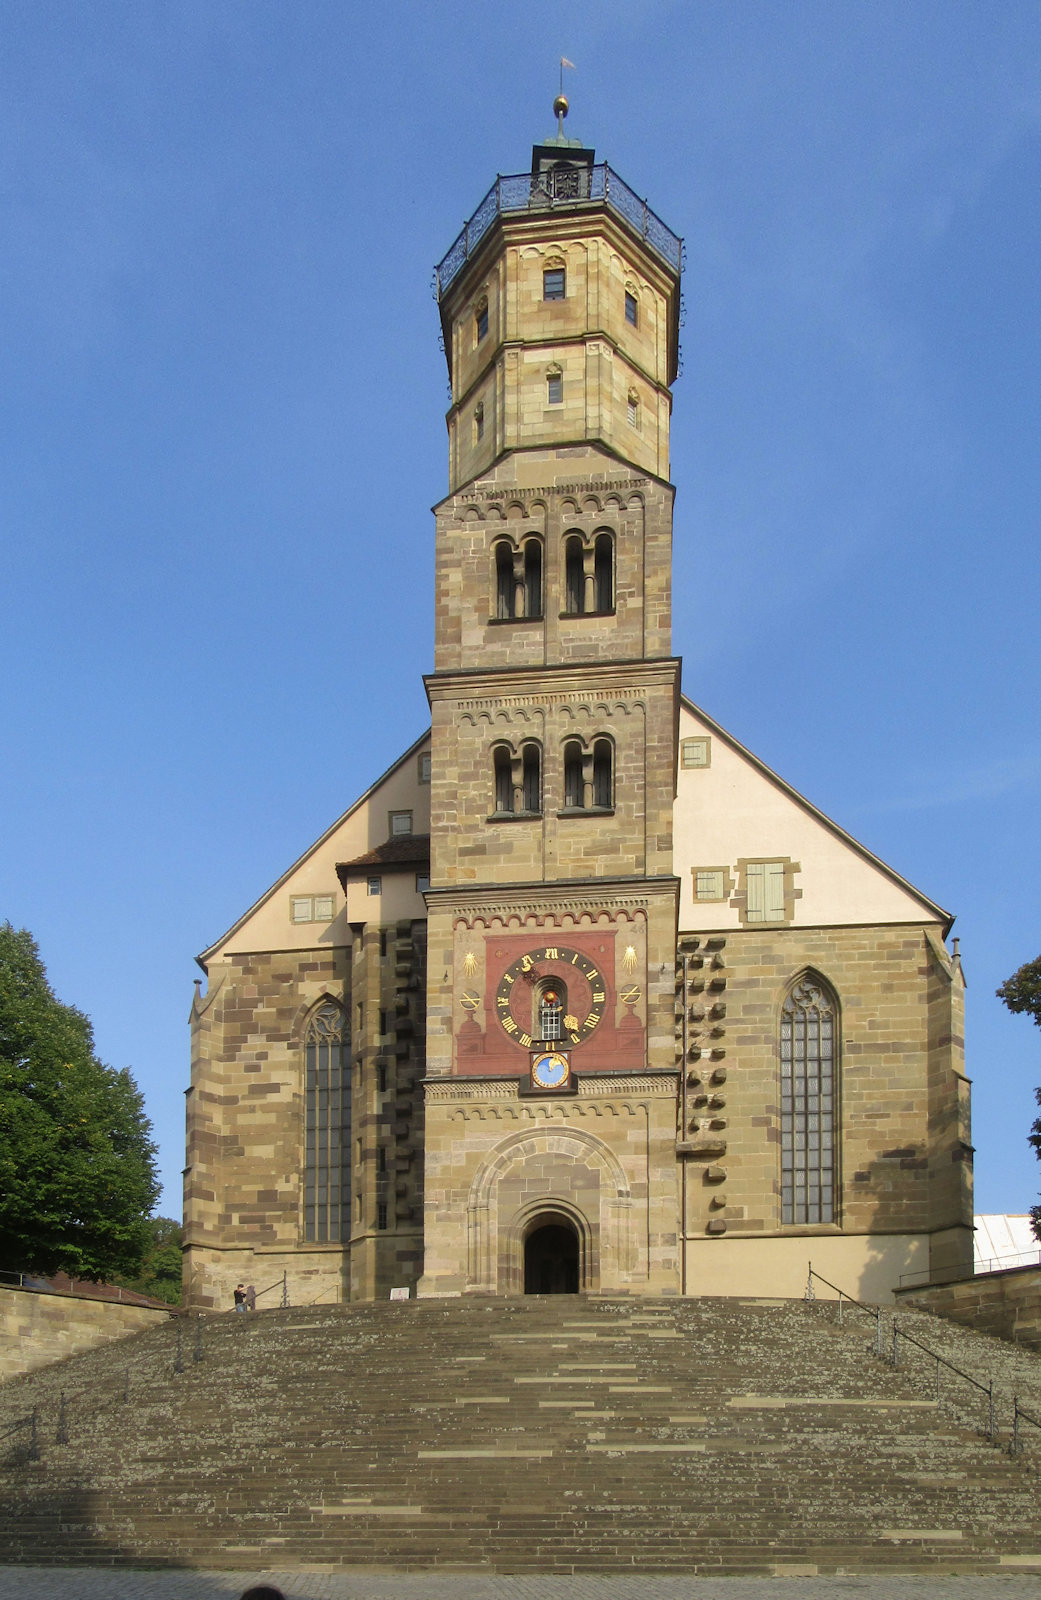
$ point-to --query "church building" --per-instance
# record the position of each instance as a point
(579, 995)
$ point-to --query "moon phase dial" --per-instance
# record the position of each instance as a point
(551, 995)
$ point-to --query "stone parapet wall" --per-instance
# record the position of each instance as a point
(1007, 1304)
(38, 1327)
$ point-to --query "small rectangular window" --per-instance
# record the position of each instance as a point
(482, 323)
(553, 284)
(381, 1077)
(400, 822)
(479, 423)
(374, 885)
(633, 413)
(381, 1214)
(383, 941)
(381, 1164)
(422, 882)
(383, 1023)
(695, 752)
(765, 886)
(631, 312)
(424, 767)
(709, 883)
(555, 389)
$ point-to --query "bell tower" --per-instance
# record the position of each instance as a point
(551, 1055)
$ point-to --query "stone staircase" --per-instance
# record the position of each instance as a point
(557, 1435)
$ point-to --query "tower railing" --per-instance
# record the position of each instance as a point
(526, 191)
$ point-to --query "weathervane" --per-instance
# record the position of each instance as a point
(560, 103)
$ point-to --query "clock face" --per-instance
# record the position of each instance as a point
(550, 993)
(550, 1070)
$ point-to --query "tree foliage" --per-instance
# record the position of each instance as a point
(160, 1271)
(77, 1163)
(1022, 993)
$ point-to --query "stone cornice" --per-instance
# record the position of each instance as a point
(590, 1087)
(479, 686)
(470, 902)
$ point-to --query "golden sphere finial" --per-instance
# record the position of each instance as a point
(560, 106)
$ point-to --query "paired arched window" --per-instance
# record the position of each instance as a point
(327, 1126)
(588, 575)
(588, 775)
(518, 579)
(517, 779)
(809, 1080)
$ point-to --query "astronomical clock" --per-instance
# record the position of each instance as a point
(546, 1005)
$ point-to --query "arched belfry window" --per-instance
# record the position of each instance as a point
(603, 572)
(504, 588)
(327, 1126)
(809, 1065)
(533, 577)
(574, 577)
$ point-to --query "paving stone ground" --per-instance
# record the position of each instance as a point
(87, 1583)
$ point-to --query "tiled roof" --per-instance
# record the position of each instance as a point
(403, 851)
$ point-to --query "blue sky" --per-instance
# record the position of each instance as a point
(222, 431)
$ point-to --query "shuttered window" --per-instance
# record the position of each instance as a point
(765, 885)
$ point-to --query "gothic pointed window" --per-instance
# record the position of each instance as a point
(808, 1092)
(327, 1127)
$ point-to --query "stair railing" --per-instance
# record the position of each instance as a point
(279, 1283)
(872, 1311)
(1018, 1413)
(909, 1338)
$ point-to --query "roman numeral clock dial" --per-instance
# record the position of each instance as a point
(550, 995)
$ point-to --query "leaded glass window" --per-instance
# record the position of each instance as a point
(808, 1072)
(327, 1125)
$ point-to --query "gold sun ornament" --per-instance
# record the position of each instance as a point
(629, 958)
(469, 964)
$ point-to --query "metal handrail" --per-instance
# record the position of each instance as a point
(872, 1311)
(279, 1283)
(526, 191)
(961, 1274)
(899, 1333)
(1017, 1411)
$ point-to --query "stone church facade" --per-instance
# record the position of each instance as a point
(579, 995)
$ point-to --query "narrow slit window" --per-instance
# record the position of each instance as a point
(632, 310)
(504, 594)
(602, 796)
(574, 578)
(481, 321)
(603, 573)
(573, 786)
(532, 777)
(533, 578)
(554, 389)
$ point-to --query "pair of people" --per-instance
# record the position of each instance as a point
(245, 1297)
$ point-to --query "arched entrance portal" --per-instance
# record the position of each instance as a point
(551, 1258)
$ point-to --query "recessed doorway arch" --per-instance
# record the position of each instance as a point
(552, 1254)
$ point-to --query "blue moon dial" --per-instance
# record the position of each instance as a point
(550, 1070)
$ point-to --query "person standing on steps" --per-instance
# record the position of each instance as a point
(240, 1297)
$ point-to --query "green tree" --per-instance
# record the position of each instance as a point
(77, 1163)
(160, 1272)
(1022, 992)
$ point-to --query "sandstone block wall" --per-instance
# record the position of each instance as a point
(1007, 1304)
(37, 1328)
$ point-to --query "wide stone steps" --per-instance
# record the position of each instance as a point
(555, 1435)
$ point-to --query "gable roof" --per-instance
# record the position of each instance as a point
(395, 766)
(719, 732)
